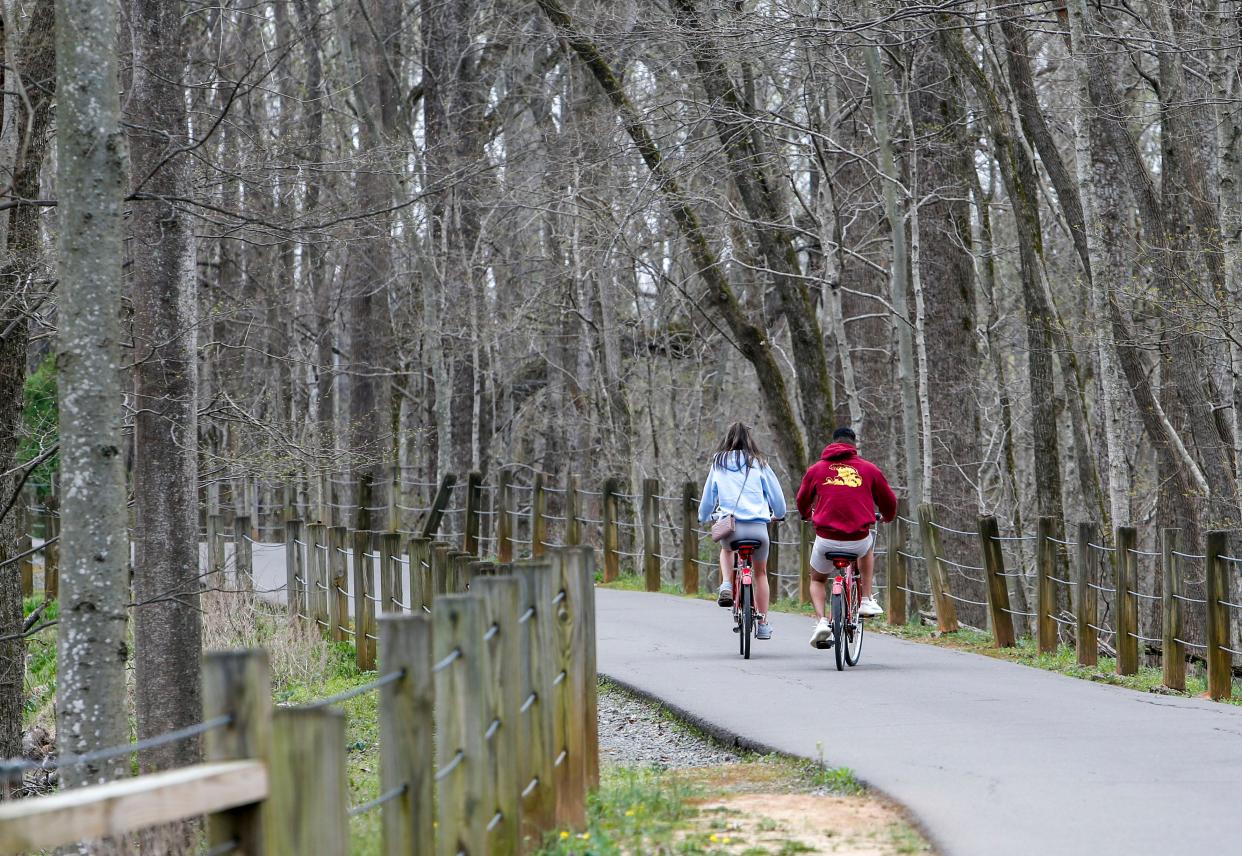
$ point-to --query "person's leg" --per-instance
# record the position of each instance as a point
(762, 592)
(726, 566)
(819, 593)
(866, 569)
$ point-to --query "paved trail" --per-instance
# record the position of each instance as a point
(990, 757)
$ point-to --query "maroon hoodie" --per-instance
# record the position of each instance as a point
(840, 493)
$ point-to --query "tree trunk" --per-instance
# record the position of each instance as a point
(899, 271)
(167, 634)
(90, 167)
(26, 119)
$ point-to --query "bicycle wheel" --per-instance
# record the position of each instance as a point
(853, 628)
(738, 623)
(838, 630)
(748, 617)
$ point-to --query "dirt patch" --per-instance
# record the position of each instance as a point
(782, 823)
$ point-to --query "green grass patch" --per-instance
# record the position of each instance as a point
(40, 665)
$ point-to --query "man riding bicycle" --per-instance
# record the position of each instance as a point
(839, 495)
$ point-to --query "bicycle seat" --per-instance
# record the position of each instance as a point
(744, 542)
(849, 557)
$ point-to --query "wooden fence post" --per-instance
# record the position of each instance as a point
(570, 698)
(460, 574)
(243, 553)
(215, 548)
(774, 560)
(689, 539)
(436, 513)
(580, 572)
(1173, 652)
(390, 572)
(474, 500)
(394, 498)
(1219, 659)
(608, 513)
(651, 534)
(501, 665)
(1086, 639)
(441, 576)
(537, 726)
(538, 518)
(946, 611)
(295, 570)
(338, 569)
(419, 551)
(407, 751)
(364, 606)
(51, 555)
(1125, 566)
(898, 569)
(806, 546)
(997, 588)
(504, 516)
(462, 800)
(1045, 590)
(317, 575)
(24, 545)
(308, 788)
(573, 511)
(364, 576)
(238, 684)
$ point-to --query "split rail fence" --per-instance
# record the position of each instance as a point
(487, 707)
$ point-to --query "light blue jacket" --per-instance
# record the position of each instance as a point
(762, 498)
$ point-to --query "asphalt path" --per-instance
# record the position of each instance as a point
(989, 757)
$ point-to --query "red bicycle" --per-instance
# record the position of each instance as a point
(847, 626)
(744, 614)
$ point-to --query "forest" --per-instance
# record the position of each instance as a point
(263, 242)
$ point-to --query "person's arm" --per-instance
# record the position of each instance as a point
(885, 500)
(806, 496)
(775, 495)
(708, 503)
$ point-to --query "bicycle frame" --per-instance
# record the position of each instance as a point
(844, 583)
(743, 573)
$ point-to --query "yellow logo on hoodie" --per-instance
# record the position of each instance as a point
(847, 476)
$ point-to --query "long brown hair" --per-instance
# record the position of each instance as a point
(738, 438)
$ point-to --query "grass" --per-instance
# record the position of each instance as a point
(40, 668)
(652, 810)
(1063, 661)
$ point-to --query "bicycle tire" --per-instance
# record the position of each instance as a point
(853, 628)
(838, 630)
(738, 623)
(748, 617)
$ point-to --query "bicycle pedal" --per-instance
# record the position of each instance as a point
(825, 645)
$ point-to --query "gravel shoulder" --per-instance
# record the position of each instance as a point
(667, 788)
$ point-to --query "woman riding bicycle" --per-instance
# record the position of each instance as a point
(740, 483)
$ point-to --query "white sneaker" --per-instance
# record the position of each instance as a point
(823, 632)
(868, 608)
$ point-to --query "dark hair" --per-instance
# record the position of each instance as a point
(738, 439)
(845, 433)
